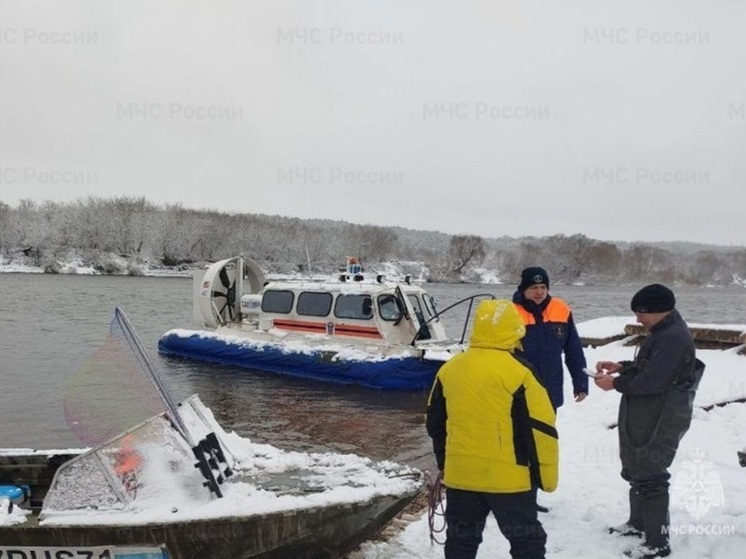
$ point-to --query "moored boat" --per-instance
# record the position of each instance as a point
(352, 330)
(274, 505)
(178, 486)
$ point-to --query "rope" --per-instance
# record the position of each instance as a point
(435, 506)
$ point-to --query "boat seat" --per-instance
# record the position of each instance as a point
(16, 494)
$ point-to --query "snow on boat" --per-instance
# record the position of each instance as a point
(177, 486)
(140, 495)
(378, 334)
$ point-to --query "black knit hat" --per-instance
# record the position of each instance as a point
(532, 276)
(652, 299)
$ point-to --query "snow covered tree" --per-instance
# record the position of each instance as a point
(465, 250)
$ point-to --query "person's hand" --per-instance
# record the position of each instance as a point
(605, 382)
(580, 396)
(608, 367)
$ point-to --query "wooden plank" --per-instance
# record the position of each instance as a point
(704, 338)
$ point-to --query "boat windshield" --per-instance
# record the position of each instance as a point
(140, 467)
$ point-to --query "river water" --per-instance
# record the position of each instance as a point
(50, 325)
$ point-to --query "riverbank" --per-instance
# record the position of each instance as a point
(75, 262)
(90, 263)
(103, 263)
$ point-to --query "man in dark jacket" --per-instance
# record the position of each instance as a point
(550, 333)
(655, 412)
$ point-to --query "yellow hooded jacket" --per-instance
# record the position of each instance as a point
(491, 421)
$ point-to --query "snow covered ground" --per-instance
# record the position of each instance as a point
(708, 487)
(77, 265)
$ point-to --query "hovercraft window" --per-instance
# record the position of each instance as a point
(354, 306)
(430, 305)
(388, 307)
(277, 301)
(314, 304)
(424, 333)
(415, 301)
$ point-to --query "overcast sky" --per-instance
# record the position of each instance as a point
(618, 120)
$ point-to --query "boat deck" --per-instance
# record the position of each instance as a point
(35, 469)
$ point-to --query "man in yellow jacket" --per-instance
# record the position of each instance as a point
(494, 437)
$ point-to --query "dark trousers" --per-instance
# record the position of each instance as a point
(466, 515)
(648, 504)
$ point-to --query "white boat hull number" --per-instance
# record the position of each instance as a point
(102, 552)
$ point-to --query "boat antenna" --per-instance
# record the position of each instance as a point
(207, 451)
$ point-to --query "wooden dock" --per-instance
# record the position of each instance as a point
(704, 337)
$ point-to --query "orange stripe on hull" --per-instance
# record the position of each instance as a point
(320, 328)
(361, 333)
(297, 325)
